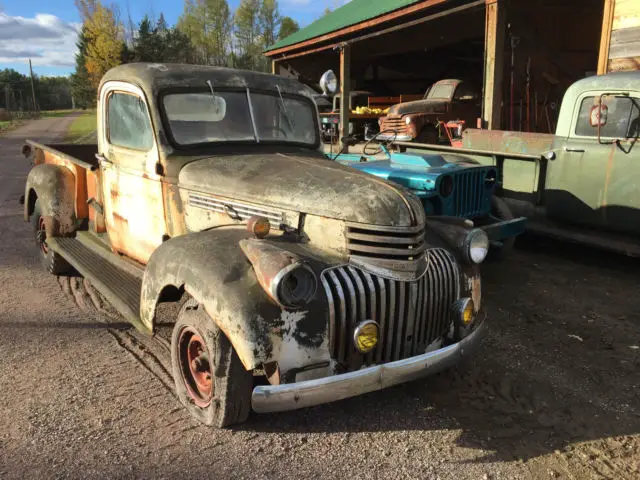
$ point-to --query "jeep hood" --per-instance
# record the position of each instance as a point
(418, 106)
(305, 183)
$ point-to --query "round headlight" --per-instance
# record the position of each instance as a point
(295, 285)
(446, 186)
(329, 83)
(476, 246)
(365, 336)
(407, 120)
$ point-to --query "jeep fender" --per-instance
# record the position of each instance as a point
(54, 186)
(211, 267)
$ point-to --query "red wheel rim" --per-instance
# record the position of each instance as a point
(41, 236)
(195, 366)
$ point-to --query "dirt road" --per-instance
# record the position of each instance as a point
(554, 393)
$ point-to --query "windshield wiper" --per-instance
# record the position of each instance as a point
(253, 119)
(284, 109)
(213, 97)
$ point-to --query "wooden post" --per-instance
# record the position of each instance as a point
(495, 26)
(274, 67)
(605, 38)
(33, 90)
(345, 89)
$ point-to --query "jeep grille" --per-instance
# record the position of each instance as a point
(411, 315)
(470, 193)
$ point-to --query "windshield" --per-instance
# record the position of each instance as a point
(196, 118)
(443, 90)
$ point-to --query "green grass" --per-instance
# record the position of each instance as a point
(81, 127)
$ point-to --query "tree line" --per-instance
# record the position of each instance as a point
(207, 33)
(16, 95)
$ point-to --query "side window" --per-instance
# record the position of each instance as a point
(128, 122)
(623, 118)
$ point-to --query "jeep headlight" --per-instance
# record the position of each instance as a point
(476, 246)
(294, 286)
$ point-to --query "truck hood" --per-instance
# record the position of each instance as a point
(418, 106)
(417, 172)
(304, 183)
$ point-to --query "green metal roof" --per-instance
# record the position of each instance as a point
(354, 12)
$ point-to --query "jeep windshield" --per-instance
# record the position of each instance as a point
(197, 118)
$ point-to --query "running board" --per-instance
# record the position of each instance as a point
(593, 238)
(120, 287)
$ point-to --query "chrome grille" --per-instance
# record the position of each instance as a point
(397, 124)
(235, 209)
(469, 193)
(373, 241)
(411, 315)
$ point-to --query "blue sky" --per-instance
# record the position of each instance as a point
(46, 30)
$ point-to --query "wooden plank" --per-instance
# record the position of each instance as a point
(495, 26)
(626, 14)
(345, 89)
(605, 38)
(624, 64)
(625, 35)
(624, 50)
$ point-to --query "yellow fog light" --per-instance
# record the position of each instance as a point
(365, 336)
(465, 311)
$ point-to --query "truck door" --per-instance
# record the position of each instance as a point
(595, 181)
(133, 206)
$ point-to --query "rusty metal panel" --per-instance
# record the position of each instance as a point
(504, 141)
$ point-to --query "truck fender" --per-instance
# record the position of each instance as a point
(54, 187)
(211, 267)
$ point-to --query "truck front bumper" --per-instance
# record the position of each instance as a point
(390, 137)
(506, 229)
(279, 398)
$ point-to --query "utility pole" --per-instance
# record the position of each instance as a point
(33, 90)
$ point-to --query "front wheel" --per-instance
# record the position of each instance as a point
(500, 210)
(51, 261)
(210, 380)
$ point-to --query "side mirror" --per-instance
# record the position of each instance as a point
(329, 83)
(349, 140)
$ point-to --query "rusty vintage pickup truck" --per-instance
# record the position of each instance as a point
(208, 186)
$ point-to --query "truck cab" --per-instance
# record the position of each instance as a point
(208, 188)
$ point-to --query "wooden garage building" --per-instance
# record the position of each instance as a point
(522, 54)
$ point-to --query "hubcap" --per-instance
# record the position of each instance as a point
(41, 236)
(195, 366)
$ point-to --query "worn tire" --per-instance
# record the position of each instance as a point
(51, 261)
(230, 401)
(500, 209)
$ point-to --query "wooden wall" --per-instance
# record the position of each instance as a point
(620, 44)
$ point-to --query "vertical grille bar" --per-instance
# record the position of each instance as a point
(341, 331)
(391, 315)
(332, 314)
(382, 292)
(407, 337)
(400, 319)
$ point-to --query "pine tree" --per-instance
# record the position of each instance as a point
(81, 89)
(288, 26)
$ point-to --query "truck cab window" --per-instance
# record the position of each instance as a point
(623, 118)
(465, 93)
(128, 121)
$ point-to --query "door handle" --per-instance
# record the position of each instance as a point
(573, 149)
(102, 159)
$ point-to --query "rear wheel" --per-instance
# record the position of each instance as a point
(500, 210)
(210, 380)
(51, 261)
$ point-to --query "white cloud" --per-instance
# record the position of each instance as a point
(46, 39)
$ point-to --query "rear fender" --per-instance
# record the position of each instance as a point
(54, 187)
(211, 267)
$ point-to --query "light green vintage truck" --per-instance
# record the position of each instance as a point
(582, 183)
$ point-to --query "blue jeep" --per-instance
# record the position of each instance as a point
(448, 185)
